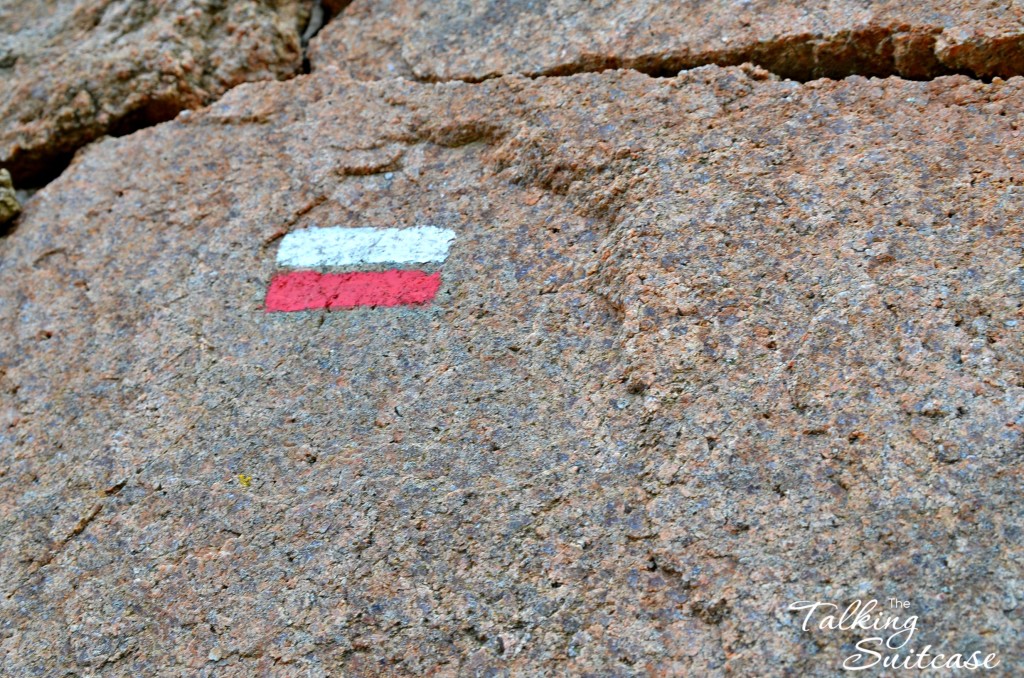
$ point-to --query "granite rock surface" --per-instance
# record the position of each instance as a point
(72, 71)
(705, 346)
(797, 39)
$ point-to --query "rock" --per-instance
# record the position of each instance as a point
(9, 206)
(74, 70)
(705, 346)
(798, 39)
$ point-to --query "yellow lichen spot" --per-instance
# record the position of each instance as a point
(245, 480)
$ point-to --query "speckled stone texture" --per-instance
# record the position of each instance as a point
(74, 70)
(798, 39)
(705, 346)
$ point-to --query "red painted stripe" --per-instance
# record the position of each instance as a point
(305, 290)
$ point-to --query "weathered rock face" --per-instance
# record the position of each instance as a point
(705, 346)
(74, 70)
(798, 39)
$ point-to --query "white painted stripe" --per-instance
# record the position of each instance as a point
(336, 246)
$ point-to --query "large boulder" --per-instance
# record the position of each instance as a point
(799, 39)
(74, 70)
(705, 346)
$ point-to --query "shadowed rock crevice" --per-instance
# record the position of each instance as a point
(35, 169)
(320, 15)
(911, 53)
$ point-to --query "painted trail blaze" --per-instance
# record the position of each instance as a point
(319, 248)
(303, 290)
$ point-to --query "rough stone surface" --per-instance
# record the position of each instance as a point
(9, 206)
(799, 39)
(705, 346)
(74, 70)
